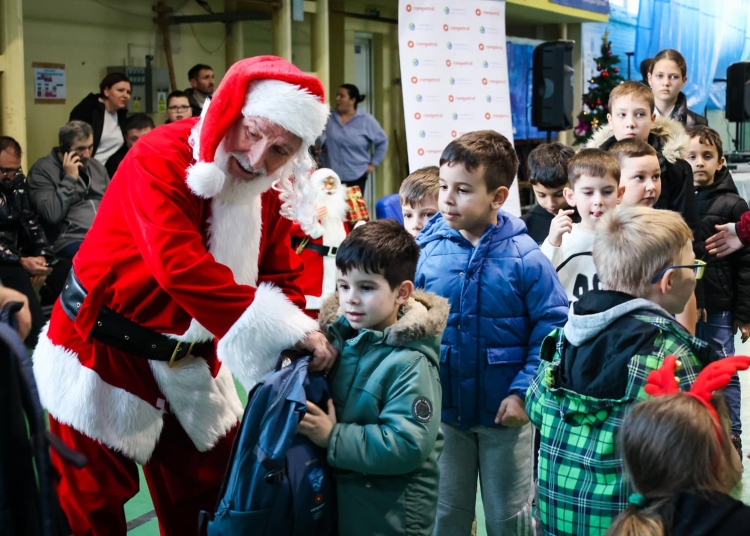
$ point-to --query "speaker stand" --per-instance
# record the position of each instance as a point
(549, 136)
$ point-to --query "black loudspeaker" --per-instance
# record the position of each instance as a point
(552, 97)
(738, 92)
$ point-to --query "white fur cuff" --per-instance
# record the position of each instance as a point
(271, 324)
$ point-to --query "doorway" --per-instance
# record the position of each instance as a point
(364, 80)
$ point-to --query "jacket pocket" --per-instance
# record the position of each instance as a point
(503, 365)
(448, 371)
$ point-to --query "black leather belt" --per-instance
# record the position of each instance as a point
(323, 251)
(115, 330)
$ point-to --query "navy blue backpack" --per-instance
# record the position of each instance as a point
(277, 482)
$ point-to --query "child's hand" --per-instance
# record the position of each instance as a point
(317, 425)
(744, 329)
(511, 412)
(561, 224)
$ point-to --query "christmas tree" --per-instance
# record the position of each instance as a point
(595, 102)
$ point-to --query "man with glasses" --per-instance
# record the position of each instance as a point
(24, 251)
(178, 106)
(66, 187)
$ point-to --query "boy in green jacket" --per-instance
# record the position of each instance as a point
(384, 437)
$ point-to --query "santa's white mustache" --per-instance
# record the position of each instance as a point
(245, 164)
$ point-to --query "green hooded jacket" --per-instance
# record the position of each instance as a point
(386, 444)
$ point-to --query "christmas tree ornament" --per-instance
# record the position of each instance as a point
(598, 67)
(616, 69)
(605, 74)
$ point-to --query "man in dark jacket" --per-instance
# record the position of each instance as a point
(727, 280)
(66, 187)
(201, 79)
(23, 259)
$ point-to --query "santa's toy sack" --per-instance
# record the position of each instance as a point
(277, 481)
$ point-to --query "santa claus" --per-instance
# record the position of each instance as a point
(316, 243)
(187, 268)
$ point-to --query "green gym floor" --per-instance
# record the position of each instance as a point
(142, 521)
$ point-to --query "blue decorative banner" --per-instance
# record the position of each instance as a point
(597, 6)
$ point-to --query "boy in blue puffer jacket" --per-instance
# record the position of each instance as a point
(505, 299)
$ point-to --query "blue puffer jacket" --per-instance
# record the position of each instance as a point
(505, 299)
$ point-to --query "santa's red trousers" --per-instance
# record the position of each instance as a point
(182, 481)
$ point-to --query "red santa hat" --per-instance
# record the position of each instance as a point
(263, 86)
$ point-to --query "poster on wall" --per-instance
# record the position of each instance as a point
(49, 83)
(454, 73)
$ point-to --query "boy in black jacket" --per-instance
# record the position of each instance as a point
(548, 175)
(727, 279)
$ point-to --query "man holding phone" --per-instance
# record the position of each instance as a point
(66, 187)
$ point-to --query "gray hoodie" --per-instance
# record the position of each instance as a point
(66, 205)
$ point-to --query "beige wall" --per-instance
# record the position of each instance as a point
(87, 36)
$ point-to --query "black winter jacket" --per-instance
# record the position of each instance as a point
(726, 282)
(91, 110)
(16, 215)
(685, 115)
(715, 514)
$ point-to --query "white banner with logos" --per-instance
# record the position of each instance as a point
(454, 74)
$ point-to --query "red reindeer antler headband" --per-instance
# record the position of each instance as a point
(713, 377)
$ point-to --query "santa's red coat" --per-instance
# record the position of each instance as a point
(150, 257)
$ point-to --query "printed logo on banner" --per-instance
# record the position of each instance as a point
(478, 12)
(447, 63)
(465, 98)
(415, 62)
(445, 27)
(454, 116)
(485, 64)
(417, 116)
(462, 82)
(449, 45)
(457, 28)
(446, 10)
(432, 134)
(488, 98)
(408, 7)
(488, 13)
(458, 46)
(481, 29)
(418, 97)
(454, 133)
(495, 47)
(427, 98)
(410, 44)
(422, 133)
(451, 80)
(488, 115)
(412, 26)
(450, 98)
(481, 46)
(420, 152)
(462, 63)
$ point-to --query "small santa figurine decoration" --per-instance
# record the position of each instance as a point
(317, 243)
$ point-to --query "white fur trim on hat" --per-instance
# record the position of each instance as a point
(288, 106)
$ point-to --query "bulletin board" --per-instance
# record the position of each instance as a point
(49, 83)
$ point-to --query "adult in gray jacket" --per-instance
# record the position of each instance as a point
(66, 187)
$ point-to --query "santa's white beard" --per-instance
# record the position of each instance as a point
(333, 223)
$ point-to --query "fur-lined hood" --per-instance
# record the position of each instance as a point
(673, 145)
(424, 316)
